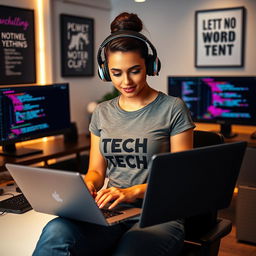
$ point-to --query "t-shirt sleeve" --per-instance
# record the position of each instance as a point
(181, 119)
(94, 124)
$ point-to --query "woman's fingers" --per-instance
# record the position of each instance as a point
(106, 200)
(116, 202)
(101, 193)
(107, 195)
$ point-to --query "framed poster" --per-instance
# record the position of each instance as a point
(77, 46)
(17, 46)
(219, 37)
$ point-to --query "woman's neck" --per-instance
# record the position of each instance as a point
(139, 101)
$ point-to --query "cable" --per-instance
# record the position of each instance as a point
(3, 213)
(8, 194)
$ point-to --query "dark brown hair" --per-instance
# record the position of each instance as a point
(131, 22)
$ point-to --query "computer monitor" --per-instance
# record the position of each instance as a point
(215, 99)
(30, 112)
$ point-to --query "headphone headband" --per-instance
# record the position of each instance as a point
(125, 33)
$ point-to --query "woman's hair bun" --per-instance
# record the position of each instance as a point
(126, 21)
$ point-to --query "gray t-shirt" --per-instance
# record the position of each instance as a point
(128, 140)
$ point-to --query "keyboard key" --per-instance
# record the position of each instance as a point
(110, 213)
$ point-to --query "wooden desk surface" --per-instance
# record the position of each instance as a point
(51, 149)
(243, 132)
(243, 137)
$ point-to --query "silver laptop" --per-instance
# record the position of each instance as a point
(65, 194)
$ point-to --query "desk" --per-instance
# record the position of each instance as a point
(19, 233)
(244, 137)
(51, 149)
(243, 132)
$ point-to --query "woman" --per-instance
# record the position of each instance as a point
(125, 133)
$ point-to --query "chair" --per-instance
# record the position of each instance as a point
(206, 138)
(204, 232)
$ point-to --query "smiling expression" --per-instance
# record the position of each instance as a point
(128, 72)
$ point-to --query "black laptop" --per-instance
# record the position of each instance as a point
(189, 183)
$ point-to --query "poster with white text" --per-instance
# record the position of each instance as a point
(17, 46)
(77, 46)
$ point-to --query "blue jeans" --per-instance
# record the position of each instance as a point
(68, 237)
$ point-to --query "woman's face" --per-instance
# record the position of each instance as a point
(128, 72)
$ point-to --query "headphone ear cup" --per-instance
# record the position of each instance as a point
(153, 65)
(157, 65)
(104, 73)
(100, 73)
(149, 65)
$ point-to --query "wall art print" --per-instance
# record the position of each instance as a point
(77, 46)
(219, 37)
(17, 46)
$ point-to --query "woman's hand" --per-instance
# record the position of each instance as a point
(118, 195)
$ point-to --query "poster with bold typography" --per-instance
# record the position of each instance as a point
(220, 37)
(17, 46)
(77, 46)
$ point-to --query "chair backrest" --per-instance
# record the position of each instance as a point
(207, 138)
(197, 225)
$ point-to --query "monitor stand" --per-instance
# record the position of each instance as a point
(11, 150)
(226, 131)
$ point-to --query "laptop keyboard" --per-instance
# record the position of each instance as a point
(110, 213)
(16, 204)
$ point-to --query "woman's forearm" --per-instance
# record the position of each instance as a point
(95, 178)
(139, 190)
